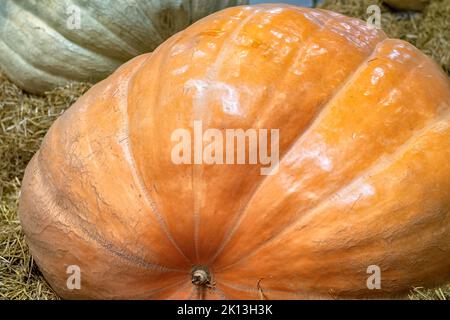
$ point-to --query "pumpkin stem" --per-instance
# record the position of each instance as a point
(200, 276)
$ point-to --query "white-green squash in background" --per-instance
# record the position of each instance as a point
(46, 43)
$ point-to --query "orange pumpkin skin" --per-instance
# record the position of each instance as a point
(364, 174)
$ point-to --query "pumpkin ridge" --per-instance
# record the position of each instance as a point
(136, 51)
(362, 177)
(211, 74)
(319, 26)
(56, 78)
(102, 241)
(112, 32)
(74, 219)
(49, 22)
(230, 232)
(347, 34)
(213, 70)
(297, 55)
(186, 285)
(174, 39)
(156, 30)
(170, 286)
(333, 17)
(76, 74)
(191, 17)
(129, 155)
(33, 64)
(311, 124)
(376, 168)
(412, 71)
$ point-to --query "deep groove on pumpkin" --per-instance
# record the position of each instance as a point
(212, 74)
(150, 22)
(373, 169)
(136, 174)
(328, 251)
(62, 72)
(95, 50)
(314, 120)
(91, 234)
(115, 35)
(320, 25)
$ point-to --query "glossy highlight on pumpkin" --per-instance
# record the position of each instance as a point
(363, 180)
(48, 43)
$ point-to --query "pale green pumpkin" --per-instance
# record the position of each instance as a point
(46, 43)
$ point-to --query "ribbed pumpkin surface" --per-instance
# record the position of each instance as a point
(364, 174)
(46, 43)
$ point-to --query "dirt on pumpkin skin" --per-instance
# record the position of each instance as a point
(25, 118)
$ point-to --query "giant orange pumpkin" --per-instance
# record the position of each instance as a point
(363, 180)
